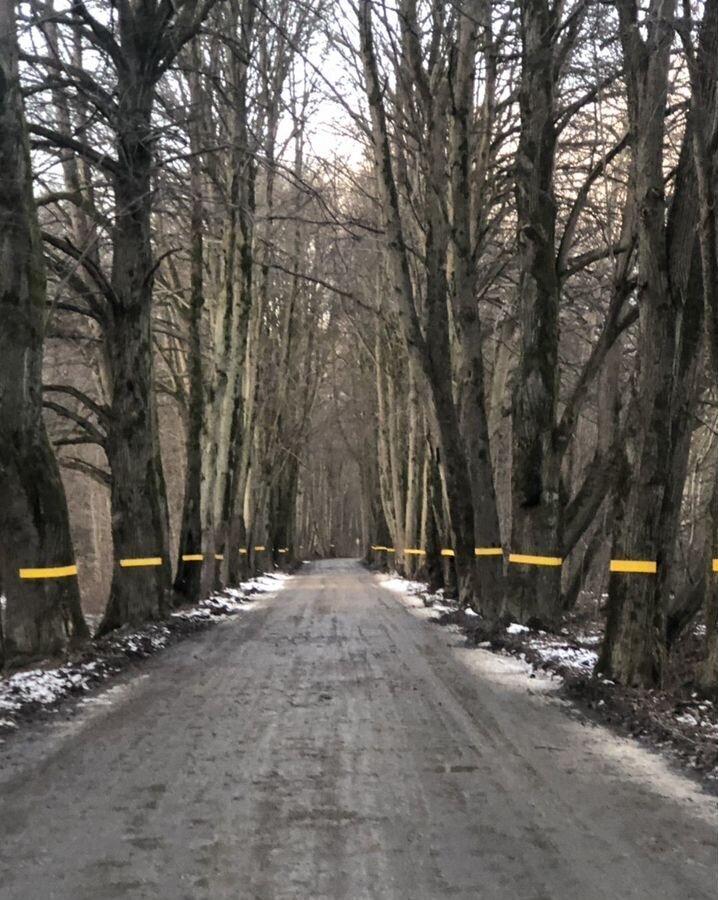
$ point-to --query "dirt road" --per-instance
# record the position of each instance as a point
(330, 745)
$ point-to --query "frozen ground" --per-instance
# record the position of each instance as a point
(331, 745)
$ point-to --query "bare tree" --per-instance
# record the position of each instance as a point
(38, 561)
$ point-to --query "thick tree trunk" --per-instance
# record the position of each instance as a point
(140, 519)
(413, 476)
(140, 528)
(634, 648)
(41, 613)
(470, 363)
(703, 67)
(536, 521)
(188, 581)
(432, 504)
(387, 481)
(709, 675)
(283, 506)
(500, 421)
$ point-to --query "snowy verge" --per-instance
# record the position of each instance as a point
(24, 694)
(681, 723)
(560, 655)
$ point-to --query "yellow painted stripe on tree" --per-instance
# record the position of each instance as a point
(283, 550)
(259, 549)
(141, 562)
(644, 566)
(447, 552)
(488, 551)
(219, 556)
(192, 557)
(50, 572)
(390, 550)
(715, 565)
(524, 559)
(243, 551)
(415, 552)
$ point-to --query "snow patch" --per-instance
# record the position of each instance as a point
(402, 585)
(515, 628)
(265, 584)
(42, 687)
(578, 659)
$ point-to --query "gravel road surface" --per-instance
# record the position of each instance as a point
(328, 744)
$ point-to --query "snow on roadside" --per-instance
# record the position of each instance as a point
(565, 658)
(28, 691)
(265, 584)
(548, 652)
(42, 688)
(219, 605)
(416, 595)
(402, 585)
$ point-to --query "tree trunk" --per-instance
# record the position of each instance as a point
(709, 675)
(188, 581)
(470, 362)
(42, 613)
(232, 320)
(140, 519)
(413, 476)
(432, 504)
(536, 522)
(634, 648)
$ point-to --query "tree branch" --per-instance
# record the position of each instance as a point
(82, 421)
(99, 409)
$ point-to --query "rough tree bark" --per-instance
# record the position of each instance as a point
(703, 125)
(41, 614)
(536, 514)
(709, 674)
(188, 580)
(634, 648)
(141, 44)
(467, 323)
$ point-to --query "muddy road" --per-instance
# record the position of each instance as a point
(331, 745)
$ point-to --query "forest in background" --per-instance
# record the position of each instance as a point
(477, 311)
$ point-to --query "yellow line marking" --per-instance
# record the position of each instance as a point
(192, 557)
(52, 572)
(378, 548)
(390, 550)
(283, 550)
(715, 565)
(414, 552)
(219, 556)
(243, 551)
(527, 560)
(259, 549)
(140, 563)
(645, 566)
(488, 551)
(447, 552)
